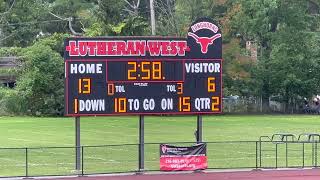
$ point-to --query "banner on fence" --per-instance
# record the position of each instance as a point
(179, 158)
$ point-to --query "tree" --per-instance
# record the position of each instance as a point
(283, 31)
(40, 86)
(24, 21)
(237, 71)
(175, 16)
(81, 12)
(19, 23)
(122, 18)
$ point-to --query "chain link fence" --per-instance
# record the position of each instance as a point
(236, 104)
(49, 161)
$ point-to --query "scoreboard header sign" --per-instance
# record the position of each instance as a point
(145, 75)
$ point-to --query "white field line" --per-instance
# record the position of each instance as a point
(86, 157)
(18, 139)
(67, 164)
(42, 133)
(62, 165)
(12, 160)
(38, 140)
(96, 131)
(37, 132)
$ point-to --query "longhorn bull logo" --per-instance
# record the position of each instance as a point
(204, 41)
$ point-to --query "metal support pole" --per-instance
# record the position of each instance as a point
(286, 153)
(316, 155)
(313, 161)
(276, 155)
(260, 153)
(27, 173)
(152, 18)
(82, 161)
(78, 148)
(302, 155)
(141, 143)
(199, 129)
(256, 154)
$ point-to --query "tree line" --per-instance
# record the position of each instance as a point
(270, 47)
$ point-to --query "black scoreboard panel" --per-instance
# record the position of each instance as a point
(145, 75)
(109, 87)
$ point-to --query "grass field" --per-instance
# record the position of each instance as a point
(21, 132)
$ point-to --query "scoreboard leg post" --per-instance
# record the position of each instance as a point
(199, 129)
(141, 143)
(199, 135)
(78, 158)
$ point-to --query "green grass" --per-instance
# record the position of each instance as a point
(20, 132)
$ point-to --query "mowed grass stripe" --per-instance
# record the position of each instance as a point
(20, 132)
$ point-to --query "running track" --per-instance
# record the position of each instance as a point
(311, 174)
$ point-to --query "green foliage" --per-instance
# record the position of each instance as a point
(109, 12)
(40, 86)
(28, 20)
(237, 69)
(295, 62)
(96, 29)
(2, 103)
(132, 26)
(79, 10)
(171, 18)
(55, 42)
(9, 51)
(10, 102)
(14, 26)
(288, 61)
(8, 71)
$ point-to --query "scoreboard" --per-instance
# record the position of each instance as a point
(145, 75)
